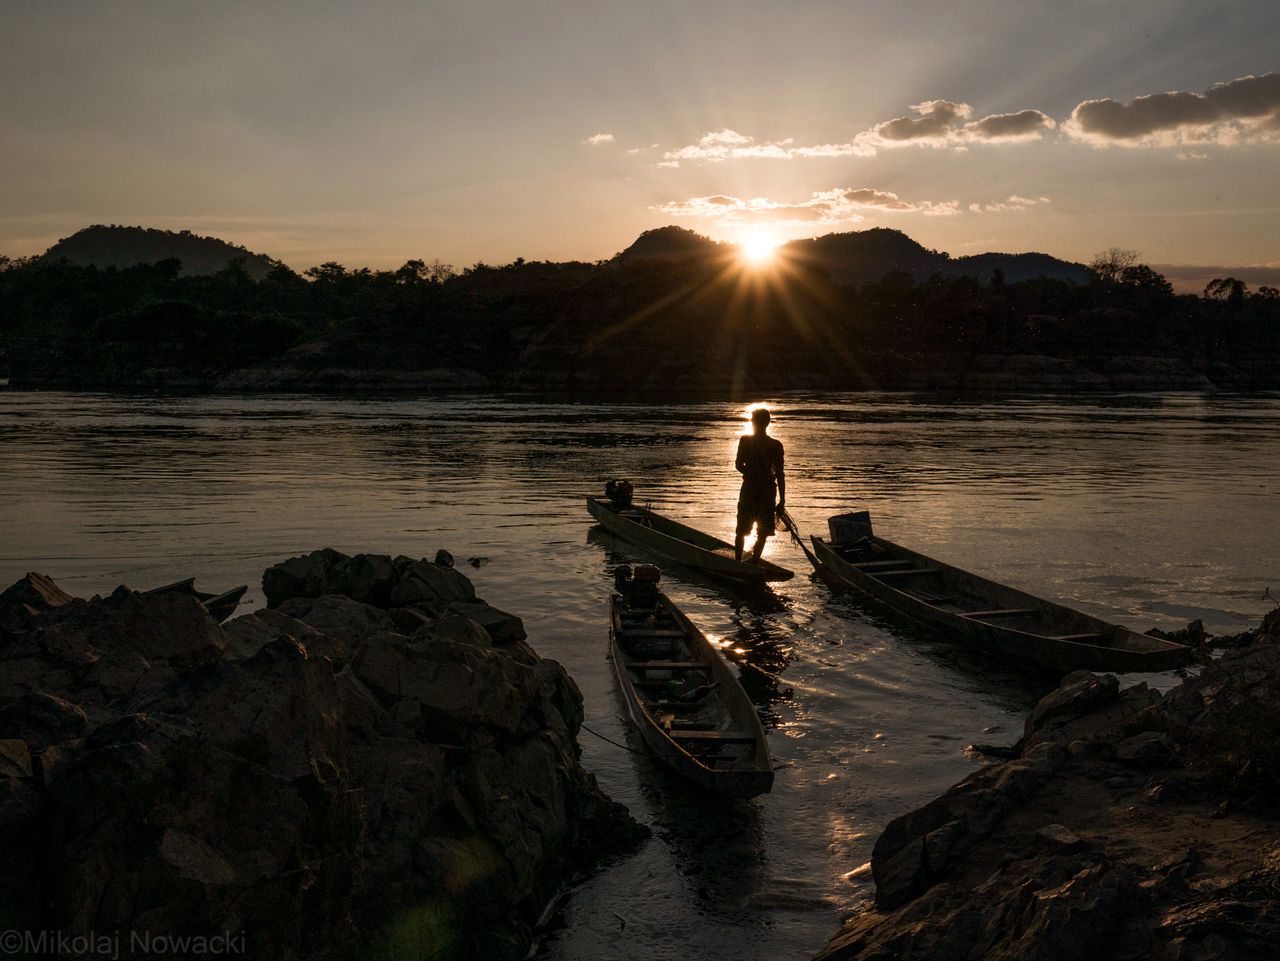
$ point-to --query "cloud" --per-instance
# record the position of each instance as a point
(945, 123)
(840, 205)
(598, 139)
(1014, 204)
(717, 146)
(1243, 110)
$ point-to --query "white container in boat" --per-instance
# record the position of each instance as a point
(846, 528)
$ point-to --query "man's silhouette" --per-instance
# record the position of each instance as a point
(759, 461)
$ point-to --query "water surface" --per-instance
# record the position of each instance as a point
(1147, 510)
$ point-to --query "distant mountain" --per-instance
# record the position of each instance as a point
(114, 246)
(864, 256)
(1018, 267)
(671, 243)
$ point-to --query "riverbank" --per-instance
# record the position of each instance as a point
(378, 763)
(1127, 824)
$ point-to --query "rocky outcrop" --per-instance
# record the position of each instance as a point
(1128, 825)
(324, 779)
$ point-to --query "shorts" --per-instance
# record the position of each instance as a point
(757, 512)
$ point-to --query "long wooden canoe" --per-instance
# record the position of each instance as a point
(993, 617)
(683, 544)
(685, 701)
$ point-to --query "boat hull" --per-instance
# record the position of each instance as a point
(682, 544)
(727, 709)
(992, 617)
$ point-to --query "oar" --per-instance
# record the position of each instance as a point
(790, 525)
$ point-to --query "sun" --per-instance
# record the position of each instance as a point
(758, 247)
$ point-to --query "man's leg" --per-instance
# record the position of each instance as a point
(737, 546)
(758, 549)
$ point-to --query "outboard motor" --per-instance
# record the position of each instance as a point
(619, 493)
(644, 585)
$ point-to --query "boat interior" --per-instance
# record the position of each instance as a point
(967, 596)
(676, 686)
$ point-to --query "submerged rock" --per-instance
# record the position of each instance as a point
(315, 779)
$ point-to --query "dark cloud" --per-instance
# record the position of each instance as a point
(1223, 113)
(935, 119)
(1023, 125)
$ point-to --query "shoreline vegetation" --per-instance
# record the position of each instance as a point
(871, 310)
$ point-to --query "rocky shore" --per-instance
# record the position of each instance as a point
(377, 765)
(1125, 824)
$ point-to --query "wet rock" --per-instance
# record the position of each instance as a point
(1148, 749)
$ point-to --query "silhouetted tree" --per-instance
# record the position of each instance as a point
(1111, 263)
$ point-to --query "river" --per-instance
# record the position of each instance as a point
(1148, 510)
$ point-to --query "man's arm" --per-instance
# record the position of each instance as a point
(781, 474)
(741, 462)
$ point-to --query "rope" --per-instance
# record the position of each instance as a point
(609, 740)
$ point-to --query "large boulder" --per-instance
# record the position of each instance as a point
(367, 578)
(248, 634)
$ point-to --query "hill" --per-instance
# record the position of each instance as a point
(864, 256)
(121, 247)
(671, 243)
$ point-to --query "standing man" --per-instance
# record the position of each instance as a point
(759, 462)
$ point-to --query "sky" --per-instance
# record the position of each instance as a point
(476, 131)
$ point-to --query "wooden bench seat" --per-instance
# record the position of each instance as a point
(667, 666)
(866, 565)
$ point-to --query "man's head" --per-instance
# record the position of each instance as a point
(760, 419)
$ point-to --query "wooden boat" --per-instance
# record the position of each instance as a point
(684, 699)
(220, 606)
(993, 617)
(683, 544)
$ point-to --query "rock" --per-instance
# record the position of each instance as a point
(93, 652)
(460, 629)
(36, 591)
(1079, 694)
(42, 720)
(246, 635)
(1193, 635)
(21, 834)
(503, 628)
(1060, 837)
(340, 617)
(431, 584)
(310, 779)
(1148, 749)
(367, 578)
